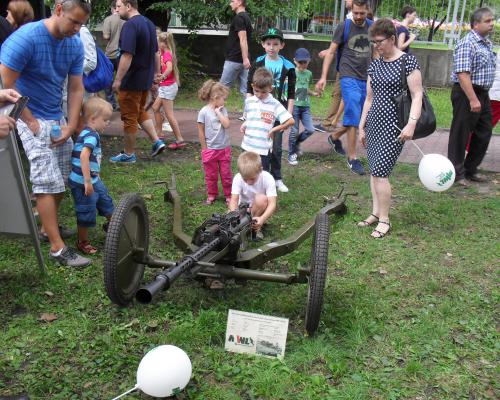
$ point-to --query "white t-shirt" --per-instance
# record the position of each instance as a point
(495, 89)
(265, 184)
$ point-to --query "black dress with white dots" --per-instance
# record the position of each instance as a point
(381, 145)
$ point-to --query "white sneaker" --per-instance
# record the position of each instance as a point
(280, 185)
(166, 127)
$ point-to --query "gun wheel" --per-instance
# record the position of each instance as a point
(317, 277)
(128, 230)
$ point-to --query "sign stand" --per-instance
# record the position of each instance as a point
(16, 214)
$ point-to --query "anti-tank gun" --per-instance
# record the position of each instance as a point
(218, 249)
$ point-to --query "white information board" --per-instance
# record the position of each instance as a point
(251, 333)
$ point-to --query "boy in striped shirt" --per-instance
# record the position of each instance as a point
(262, 110)
(88, 191)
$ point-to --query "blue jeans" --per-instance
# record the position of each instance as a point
(300, 113)
(233, 71)
(86, 207)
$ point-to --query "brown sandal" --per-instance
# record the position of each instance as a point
(365, 223)
(380, 234)
(85, 247)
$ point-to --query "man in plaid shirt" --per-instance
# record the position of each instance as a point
(473, 75)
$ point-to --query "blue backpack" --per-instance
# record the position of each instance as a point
(102, 76)
(347, 28)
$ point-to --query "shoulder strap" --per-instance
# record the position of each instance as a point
(347, 28)
(403, 73)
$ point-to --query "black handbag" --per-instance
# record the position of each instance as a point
(426, 124)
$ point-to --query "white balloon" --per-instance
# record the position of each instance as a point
(436, 172)
(163, 370)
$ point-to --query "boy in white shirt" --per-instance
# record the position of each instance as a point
(256, 187)
(262, 110)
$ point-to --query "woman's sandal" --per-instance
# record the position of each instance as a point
(85, 247)
(376, 234)
(365, 223)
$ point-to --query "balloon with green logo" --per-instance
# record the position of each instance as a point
(436, 172)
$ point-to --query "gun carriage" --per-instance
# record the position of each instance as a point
(218, 249)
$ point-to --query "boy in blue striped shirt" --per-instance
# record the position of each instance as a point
(89, 192)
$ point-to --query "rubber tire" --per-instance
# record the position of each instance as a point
(121, 284)
(317, 277)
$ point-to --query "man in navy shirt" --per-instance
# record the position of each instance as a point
(36, 59)
(139, 62)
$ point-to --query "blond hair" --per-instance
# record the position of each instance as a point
(249, 164)
(212, 89)
(167, 38)
(95, 106)
(262, 78)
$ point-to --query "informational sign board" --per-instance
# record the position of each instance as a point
(16, 214)
(250, 333)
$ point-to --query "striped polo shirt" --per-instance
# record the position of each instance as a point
(90, 139)
(260, 118)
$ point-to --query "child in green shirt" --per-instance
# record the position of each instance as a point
(302, 106)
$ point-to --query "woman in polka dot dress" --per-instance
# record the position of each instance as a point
(378, 130)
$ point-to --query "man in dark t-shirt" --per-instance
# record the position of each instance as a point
(139, 62)
(237, 57)
(353, 65)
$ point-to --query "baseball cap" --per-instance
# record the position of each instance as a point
(302, 54)
(272, 33)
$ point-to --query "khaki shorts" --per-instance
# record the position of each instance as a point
(132, 110)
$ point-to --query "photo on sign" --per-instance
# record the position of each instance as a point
(250, 333)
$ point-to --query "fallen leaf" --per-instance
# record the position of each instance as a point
(147, 196)
(135, 321)
(382, 271)
(48, 293)
(152, 324)
(87, 385)
(47, 317)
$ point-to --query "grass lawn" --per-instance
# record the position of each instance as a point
(440, 99)
(412, 316)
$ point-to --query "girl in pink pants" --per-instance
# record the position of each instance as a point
(215, 145)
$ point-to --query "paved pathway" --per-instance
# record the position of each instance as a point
(435, 143)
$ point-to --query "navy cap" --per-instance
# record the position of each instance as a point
(272, 33)
(302, 54)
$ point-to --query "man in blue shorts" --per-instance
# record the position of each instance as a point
(36, 59)
(353, 66)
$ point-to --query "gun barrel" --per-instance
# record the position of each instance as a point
(146, 293)
(165, 278)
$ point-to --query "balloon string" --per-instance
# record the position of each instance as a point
(127, 392)
(416, 145)
(397, 139)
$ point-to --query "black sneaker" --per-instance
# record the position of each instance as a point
(320, 128)
(70, 258)
(336, 146)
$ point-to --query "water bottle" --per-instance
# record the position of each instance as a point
(55, 132)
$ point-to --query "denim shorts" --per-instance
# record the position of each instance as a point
(86, 206)
(354, 94)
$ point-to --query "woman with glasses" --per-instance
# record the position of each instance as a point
(378, 130)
